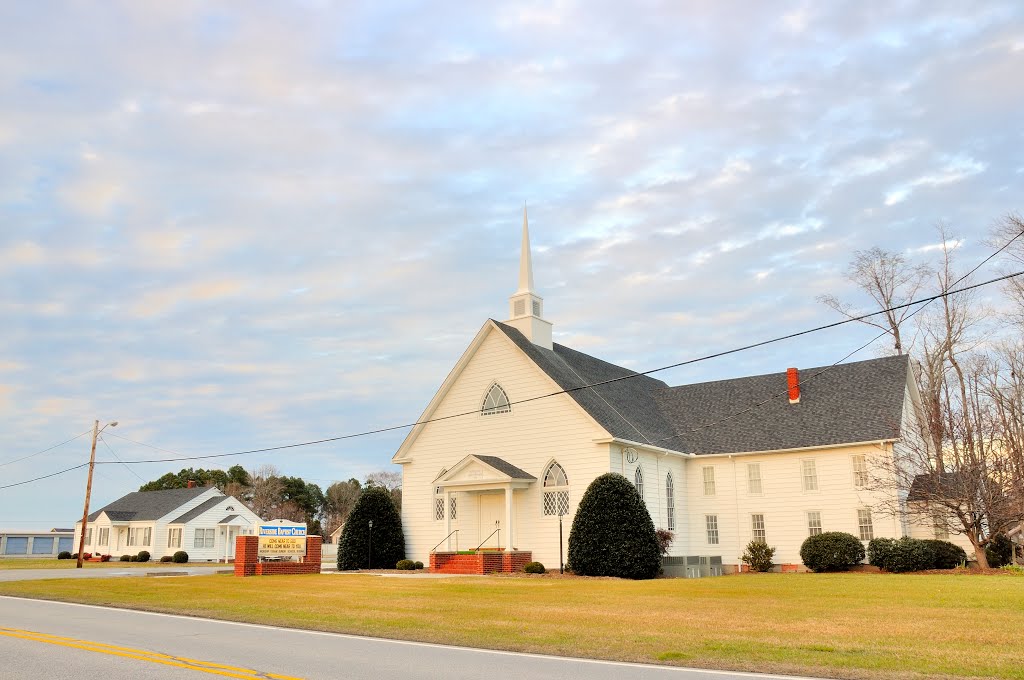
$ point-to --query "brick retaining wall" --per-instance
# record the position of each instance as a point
(247, 561)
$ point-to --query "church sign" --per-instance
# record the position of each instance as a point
(282, 540)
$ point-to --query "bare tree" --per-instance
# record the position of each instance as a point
(1011, 230)
(265, 491)
(392, 481)
(339, 500)
(889, 280)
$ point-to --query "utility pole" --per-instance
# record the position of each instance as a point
(88, 487)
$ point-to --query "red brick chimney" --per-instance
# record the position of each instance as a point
(793, 382)
(192, 484)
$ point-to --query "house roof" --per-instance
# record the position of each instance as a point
(938, 485)
(198, 510)
(148, 505)
(505, 467)
(228, 519)
(856, 402)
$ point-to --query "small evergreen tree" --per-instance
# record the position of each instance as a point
(612, 533)
(1000, 551)
(379, 548)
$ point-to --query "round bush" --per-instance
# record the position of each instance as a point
(759, 556)
(534, 568)
(947, 555)
(909, 554)
(126, 558)
(64, 555)
(878, 551)
(180, 557)
(86, 556)
(388, 541)
(166, 558)
(612, 533)
(1000, 551)
(419, 565)
(405, 565)
(831, 551)
(133, 558)
(143, 556)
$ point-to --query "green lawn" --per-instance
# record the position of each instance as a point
(838, 625)
(54, 563)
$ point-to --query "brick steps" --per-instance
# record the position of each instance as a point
(487, 562)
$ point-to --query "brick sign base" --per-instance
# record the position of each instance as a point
(247, 561)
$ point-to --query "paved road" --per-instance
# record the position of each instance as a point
(104, 572)
(42, 640)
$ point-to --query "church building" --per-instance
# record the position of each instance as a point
(522, 425)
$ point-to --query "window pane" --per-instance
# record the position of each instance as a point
(757, 528)
(638, 480)
(709, 481)
(813, 523)
(198, 542)
(711, 522)
(438, 508)
(209, 538)
(555, 476)
(754, 477)
(867, 531)
(810, 475)
(860, 471)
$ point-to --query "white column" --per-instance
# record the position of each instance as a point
(508, 518)
(448, 517)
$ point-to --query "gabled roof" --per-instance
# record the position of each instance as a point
(932, 486)
(505, 467)
(485, 470)
(848, 403)
(198, 510)
(148, 505)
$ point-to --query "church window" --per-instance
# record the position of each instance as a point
(864, 524)
(556, 491)
(711, 524)
(496, 401)
(670, 501)
(638, 479)
(860, 471)
(438, 508)
(453, 508)
(709, 480)
(757, 531)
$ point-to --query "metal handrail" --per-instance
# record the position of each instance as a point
(454, 531)
(496, 531)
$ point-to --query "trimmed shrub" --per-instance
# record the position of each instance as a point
(612, 533)
(104, 558)
(878, 551)
(86, 556)
(832, 551)
(126, 558)
(74, 556)
(180, 557)
(358, 548)
(534, 568)
(909, 554)
(64, 555)
(758, 555)
(405, 565)
(947, 555)
(143, 556)
(419, 565)
(665, 538)
(166, 558)
(999, 552)
(133, 558)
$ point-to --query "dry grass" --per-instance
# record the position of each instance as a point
(837, 625)
(54, 563)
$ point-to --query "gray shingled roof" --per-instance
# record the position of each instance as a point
(148, 505)
(198, 510)
(502, 465)
(855, 402)
(227, 519)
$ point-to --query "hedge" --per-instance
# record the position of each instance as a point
(381, 549)
(832, 551)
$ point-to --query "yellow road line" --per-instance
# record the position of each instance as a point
(142, 655)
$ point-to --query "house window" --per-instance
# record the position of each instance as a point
(813, 523)
(867, 531)
(638, 480)
(133, 536)
(105, 536)
(438, 508)
(556, 491)
(809, 474)
(496, 401)
(174, 538)
(711, 522)
(757, 532)
(753, 477)
(860, 471)
(203, 538)
(453, 508)
(88, 536)
(670, 501)
(147, 536)
(709, 480)
(941, 525)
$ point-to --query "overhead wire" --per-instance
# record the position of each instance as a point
(37, 453)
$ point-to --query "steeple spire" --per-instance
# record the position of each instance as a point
(525, 260)
(526, 306)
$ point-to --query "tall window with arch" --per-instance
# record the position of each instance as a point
(638, 479)
(556, 490)
(495, 402)
(670, 502)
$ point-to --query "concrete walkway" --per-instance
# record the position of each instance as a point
(108, 572)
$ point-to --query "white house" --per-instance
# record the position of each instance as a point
(201, 521)
(777, 457)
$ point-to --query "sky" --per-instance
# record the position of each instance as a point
(232, 226)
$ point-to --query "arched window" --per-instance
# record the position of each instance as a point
(638, 479)
(556, 490)
(670, 501)
(496, 401)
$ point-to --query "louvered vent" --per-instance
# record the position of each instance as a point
(536, 308)
(520, 308)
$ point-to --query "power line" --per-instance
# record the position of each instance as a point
(52, 474)
(32, 455)
(127, 467)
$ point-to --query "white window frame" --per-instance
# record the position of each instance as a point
(438, 503)
(711, 529)
(708, 475)
(497, 405)
(453, 506)
(865, 524)
(754, 483)
(555, 495)
(638, 480)
(814, 524)
(133, 537)
(757, 528)
(941, 525)
(809, 475)
(670, 502)
(104, 538)
(204, 538)
(174, 537)
(88, 536)
(859, 462)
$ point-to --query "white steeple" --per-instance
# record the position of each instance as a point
(525, 305)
